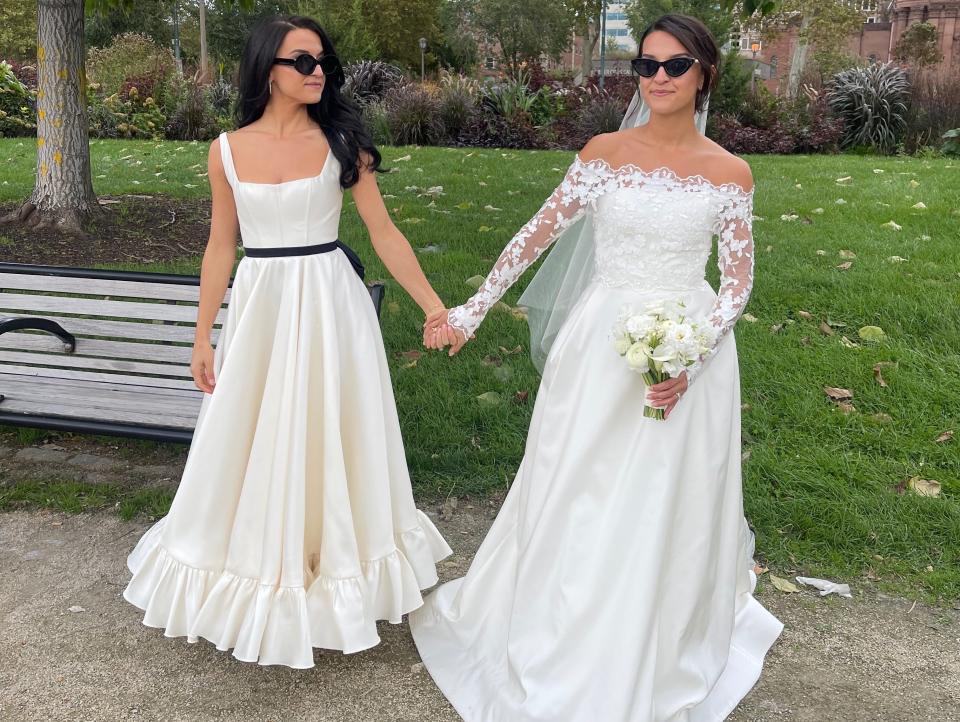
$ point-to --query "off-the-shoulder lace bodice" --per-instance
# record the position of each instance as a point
(653, 230)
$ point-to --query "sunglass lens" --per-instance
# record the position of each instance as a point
(677, 67)
(646, 67)
(329, 64)
(305, 64)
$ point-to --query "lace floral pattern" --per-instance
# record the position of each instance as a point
(653, 230)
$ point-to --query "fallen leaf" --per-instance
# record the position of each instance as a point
(845, 266)
(847, 254)
(923, 487)
(412, 221)
(511, 352)
(847, 343)
(806, 315)
(879, 376)
(817, 211)
(896, 259)
(490, 398)
(821, 252)
(878, 171)
(521, 397)
(475, 281)
(894, 225)
(409, 364)
(945, 436)
(872, 333)
(783, 585)
(825, 329)
(463, 206)
(749, 317)
(519, 313)
(410, 355)
(837, 394)
(789, 217)
(776, 328)
(401, 159)
(914, 183)
(492, 360)
(845, 179)
(491, 208)
(919, 206)
(484, 229)
(76, 609)
(846, 407)
(840, 202)
(503, 374)
(805, 341)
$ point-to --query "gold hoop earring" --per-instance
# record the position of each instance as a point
(270, 86)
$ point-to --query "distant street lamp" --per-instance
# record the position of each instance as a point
(754, 48)
(423, 49)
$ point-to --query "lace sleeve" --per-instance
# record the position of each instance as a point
(735, 259)
(568, 202)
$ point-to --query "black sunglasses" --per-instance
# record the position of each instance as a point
(675, 67)
(305, 64)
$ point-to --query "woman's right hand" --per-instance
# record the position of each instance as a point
(438, 333)
(201, 366)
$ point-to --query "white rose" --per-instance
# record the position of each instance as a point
(637, 358)
(622, 343)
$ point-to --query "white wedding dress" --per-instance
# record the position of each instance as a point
(616, 583)
(294, 524)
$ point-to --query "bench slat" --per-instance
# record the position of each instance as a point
(19, 304)
(70, 361)
(127, 329)
(70, 386)
(23, 395)
(21, 341)
(100, 287)
(42, 407)
(141, 381)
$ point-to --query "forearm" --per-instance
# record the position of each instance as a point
(397, 255)
(214, 278)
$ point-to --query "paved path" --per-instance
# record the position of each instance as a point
(867, 659)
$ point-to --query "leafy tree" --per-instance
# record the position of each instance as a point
(18, 29)
(525, 31)
(918, 46)
(640, 13)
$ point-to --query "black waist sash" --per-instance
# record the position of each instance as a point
(287, 251)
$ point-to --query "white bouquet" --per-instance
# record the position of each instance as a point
(660, 342)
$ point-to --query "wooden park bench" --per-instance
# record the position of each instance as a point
(101, 352)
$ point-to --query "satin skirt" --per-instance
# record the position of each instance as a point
(294, 524)
(616, 582)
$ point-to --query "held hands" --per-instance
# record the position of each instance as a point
(438, 333)
(666, 394)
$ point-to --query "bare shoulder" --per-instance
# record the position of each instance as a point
(600, 147)
(214, 157)
(723, 167)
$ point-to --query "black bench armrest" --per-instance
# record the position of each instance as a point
(40, 324)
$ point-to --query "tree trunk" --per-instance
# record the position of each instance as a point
(590, 39)
(63, 192)
(799, 60)
(204, 59)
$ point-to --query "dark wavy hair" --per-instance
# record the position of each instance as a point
(699, 42)
(338, 118)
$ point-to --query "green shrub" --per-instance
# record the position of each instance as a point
(130, 55)
(871, 101)
(413, 116)
(17, 105)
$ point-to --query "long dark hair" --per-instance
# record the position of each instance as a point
(699, 42)
(338, 118)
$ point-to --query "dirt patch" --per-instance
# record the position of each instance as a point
(868, 659)
(131, 229)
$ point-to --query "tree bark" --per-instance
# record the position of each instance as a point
(204, 59)
(799, 60)
(589, 45)
(63, 192)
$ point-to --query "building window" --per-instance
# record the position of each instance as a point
(490, 63)
(774, 61)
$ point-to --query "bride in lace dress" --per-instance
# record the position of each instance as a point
(616, 582)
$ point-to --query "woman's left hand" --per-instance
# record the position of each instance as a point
(666, 394)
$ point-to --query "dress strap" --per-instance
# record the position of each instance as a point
(227, 157)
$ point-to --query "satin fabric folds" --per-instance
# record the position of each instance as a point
(294, 524)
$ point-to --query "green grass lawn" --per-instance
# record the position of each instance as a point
(819, 483)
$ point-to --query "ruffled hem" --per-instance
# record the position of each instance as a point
(270, 624)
